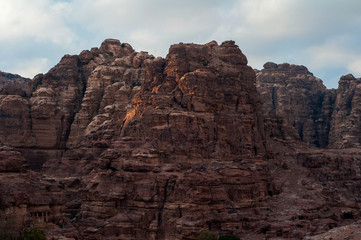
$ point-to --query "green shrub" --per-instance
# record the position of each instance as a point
(229, 238)
(206, 235)
(33, 234)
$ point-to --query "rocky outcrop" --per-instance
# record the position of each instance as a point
(29, 199)
(15, 121)
(345, 125)
(206, 103)
(13, 84)
(117, 144)
(294, 94)
(195, 122)
(75, 99)
(351, 232)
(325, 118)
(109, 92)
(11, 161)
(165, 135)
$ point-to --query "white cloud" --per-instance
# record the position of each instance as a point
(287, 19)
(41, 20)
(150, 25)
(304, 32)
(265, 18)
(332, 52)
(355, 67)
(336, 53)
(32, 67)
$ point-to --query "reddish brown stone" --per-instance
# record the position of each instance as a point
(116, 144)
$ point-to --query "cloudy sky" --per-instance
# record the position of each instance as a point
(323, 35)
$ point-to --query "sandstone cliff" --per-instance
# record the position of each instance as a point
(293, 93)
(345, 123)
(11, 84)
(143, 148)
(117, 144)
(325, 118)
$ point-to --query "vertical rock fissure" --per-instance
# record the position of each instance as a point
(77, 107)
(274, 99)
(160, 212)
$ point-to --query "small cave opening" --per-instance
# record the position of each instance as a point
(347, 215)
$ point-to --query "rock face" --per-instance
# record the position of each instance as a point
(164, 135)
(345, 127)
(293, 93)
(11, 84)
(322, 117)
(117, 144)
(195, 121)
(206, 126)
(207, 105)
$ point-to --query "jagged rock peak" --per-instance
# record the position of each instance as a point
(10, 75)
(293, 93)
(212, 43)
(132, 147)
(203, 84)
(346, 80)
(285, 67)
(345, 128)
(13, 84)
(115, 48)
(348, 77)
(210, 54)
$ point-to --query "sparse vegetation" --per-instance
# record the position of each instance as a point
(5, 232)
(32, 234)
(206, 235)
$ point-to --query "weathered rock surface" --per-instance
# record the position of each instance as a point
(322, 117)
(15, 121)
(350, 232)
(117, 144)
(206, 103)
(346, 119)
(11, 161)
(294, 94)
(13, 84)
(192, 125)
(143, 148)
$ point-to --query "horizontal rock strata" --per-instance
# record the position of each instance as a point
(117, 144)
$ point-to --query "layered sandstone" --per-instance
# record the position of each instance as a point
(206, 103)
(294, 94)
(117, 144)
(15, 121)
(13, 84)
(325, 118)
(345, 125)
(164, 135)
(195, 122)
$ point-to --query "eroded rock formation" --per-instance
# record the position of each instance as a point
(322, 117)
(346, 124)
(192, 125)
(293, 93)
(150, 143)
(117, 144)
(13, 84)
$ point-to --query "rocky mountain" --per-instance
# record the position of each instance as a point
(325, 118)
(12, 84)
(345, 127)
(293, 93)
(117, 144)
